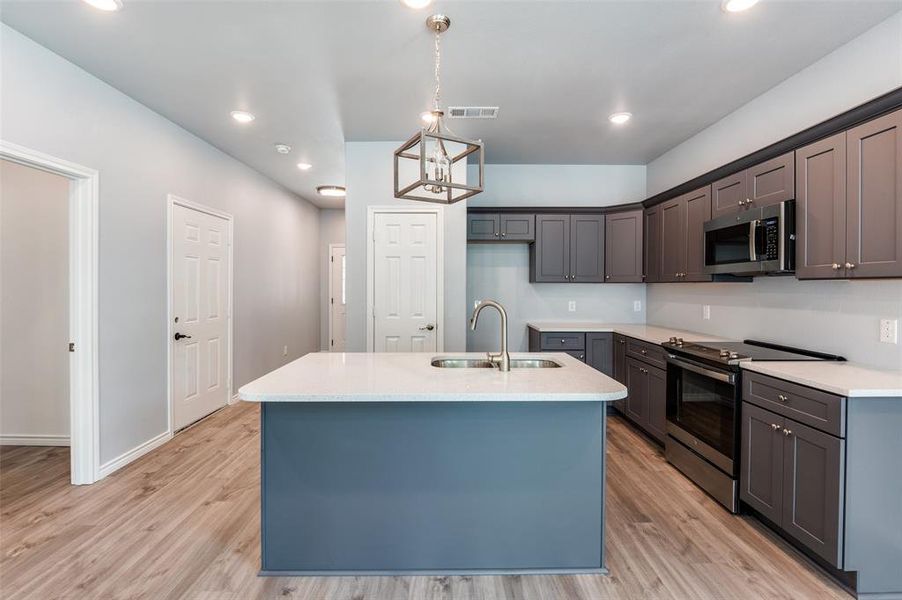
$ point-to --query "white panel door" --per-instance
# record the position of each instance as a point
(404, 282)
(200, 312)
(338, 307)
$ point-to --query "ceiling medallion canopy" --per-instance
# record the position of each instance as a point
(432, 165)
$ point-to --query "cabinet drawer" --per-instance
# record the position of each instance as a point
(563, 341)
(653, 354)
(809, 406)
(578, 354)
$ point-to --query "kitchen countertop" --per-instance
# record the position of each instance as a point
(409, 377)
(648, 333)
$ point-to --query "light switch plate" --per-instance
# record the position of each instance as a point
(637, 306)
(706, 311)
(571, 306)
(889, 331)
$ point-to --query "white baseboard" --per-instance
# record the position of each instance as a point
(233, 399)
(134, 454)
(31, 439)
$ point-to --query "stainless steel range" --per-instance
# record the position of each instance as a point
(703, 403)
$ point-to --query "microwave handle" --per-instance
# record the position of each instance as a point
(753, 244)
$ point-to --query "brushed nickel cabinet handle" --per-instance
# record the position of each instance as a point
(787, 432)
(783, 398)
(850, 265)
(836, 266)
(774, 426)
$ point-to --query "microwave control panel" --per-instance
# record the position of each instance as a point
(771, 246)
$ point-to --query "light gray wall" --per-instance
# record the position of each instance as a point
(834, 316)
(34, 310)
(501, 271)
(331, 231)
(866, 67)
(369, 183)
(50, 105)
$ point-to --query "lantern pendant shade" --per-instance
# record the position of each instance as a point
(417, 175)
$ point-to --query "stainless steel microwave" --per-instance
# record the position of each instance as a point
(753, 242)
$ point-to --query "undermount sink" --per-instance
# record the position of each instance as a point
(481, 363)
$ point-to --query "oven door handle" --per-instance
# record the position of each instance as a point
(701, 370)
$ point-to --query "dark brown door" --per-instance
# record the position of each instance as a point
(586, 248)
(821, 209)
(637, 402)
(728, 193)
(656, 394)
(772, 181)
(813, 474)
(623, 247)
(600, 352)
(518, 228)
(483, 226)
(874, 209)
(697, 211)
(673, 240)
(550, 255)
(761, 455)
(653, 244)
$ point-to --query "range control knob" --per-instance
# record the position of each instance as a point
(673, 340)
(734, 355)
(724, 353)
(679, 341)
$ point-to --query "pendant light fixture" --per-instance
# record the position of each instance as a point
(425, 164)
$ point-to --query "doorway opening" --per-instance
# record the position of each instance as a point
(338, 304)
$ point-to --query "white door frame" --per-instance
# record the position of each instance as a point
(171, 201)
(332, 248)
(439, 212)
(84, 399)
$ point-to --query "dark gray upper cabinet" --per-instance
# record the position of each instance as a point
(821, 209)
(766, 183)
(761, 455)
(653, 255)
(874, 209)
(623, 247)
(587, 248)
(673, 239)
(518, 228)
(600, 352)
(697, 211)
(483, 226)
(549, 257)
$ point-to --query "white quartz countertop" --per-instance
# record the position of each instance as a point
(844, 379)
(410, 377)
(648, 333)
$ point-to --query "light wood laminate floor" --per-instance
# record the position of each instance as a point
(183, 522)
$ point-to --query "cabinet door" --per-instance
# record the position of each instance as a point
(698, 210)
(727, 194)
(620, 369)
(482, 226)
(550, 255)
(772, 181)
(637, 401)
(586, 248)
(874, 209)
(821, 209)
(623, 247)
(578, 354)
(656, 395)
(653, 244)
(518, 228)
(761, 475)
(673, 240)
(600, 352)
(813, 485)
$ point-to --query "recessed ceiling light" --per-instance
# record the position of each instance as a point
(107, 5)
(334, 191)
(620, 118)
(737, 5)
(283, 148)
(305, 166)
(427, 117)
(416, 3)
(242, 116)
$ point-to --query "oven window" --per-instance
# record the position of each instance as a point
(728, 245)
(706, 409)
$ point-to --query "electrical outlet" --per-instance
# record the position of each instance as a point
(571, 306)
(889, 331)
(284, 350)
(637, 306)
(706, 311)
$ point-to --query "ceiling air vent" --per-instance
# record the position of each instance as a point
(472, 112)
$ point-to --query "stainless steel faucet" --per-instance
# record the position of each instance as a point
(502, 359)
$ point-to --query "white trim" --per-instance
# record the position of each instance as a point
(439, 212)
(171, 201)
(134, 454)
(234, 399)
(84, 394)
(31, 439)
(332, 248)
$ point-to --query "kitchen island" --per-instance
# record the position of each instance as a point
(384, 463)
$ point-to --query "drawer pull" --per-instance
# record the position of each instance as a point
(787, 432)
(783, 398)
(563, 341)
(644, 352)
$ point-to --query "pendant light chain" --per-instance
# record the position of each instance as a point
(438, 65)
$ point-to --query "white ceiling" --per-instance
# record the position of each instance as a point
(319, 73)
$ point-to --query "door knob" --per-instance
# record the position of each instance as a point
(179, 336)
(429, 327)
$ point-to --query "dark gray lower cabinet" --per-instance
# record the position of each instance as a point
(637, 401)
(762, 461)
(620, 368)
(656, 389)
(646, 405)
(600, 352)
